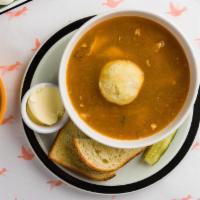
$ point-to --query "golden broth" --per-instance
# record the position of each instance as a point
(155, 51)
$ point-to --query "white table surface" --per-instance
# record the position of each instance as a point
(22, 31)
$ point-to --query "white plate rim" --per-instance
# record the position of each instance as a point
(83, 184)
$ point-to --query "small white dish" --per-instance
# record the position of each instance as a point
(35, 127)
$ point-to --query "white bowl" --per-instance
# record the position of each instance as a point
(35, 127)
(194, 82)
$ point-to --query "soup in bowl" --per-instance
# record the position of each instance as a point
(128, 78)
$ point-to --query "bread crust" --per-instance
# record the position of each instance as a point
(74, 169)
(92, 166)
(79, 172)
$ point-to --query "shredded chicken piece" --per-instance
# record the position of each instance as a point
(84, 45)
(84, 115)
(137, 32)
(112, 52)
(159, 45)
(153, 126)
(148, 63)
(98, 43)
(81, 105)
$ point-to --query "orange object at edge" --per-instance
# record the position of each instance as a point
(3, 100)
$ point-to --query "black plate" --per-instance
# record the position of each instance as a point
(83, 184)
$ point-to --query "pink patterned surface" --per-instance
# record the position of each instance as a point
(54, 183)
(26, 154)
(22, 32)
(18, 12)
(175, 10)
(37, 44)
(112, 3)
(10, 68)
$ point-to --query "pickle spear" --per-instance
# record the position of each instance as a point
(155, 151)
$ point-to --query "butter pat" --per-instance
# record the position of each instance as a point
(45, 106)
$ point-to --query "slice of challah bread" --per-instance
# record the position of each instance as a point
(100, 157)
(63, 153)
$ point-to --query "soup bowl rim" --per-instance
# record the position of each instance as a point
(173, 125)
